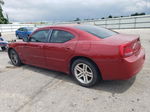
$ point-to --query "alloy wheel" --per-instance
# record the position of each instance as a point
(83, 73)
(14, 57)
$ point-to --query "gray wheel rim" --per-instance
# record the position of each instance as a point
(83, 73)
(14, 57)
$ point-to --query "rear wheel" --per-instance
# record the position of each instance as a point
(85, 72)
(14, 58)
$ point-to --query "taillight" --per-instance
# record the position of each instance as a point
(130, 49)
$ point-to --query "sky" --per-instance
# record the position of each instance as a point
(68, 10)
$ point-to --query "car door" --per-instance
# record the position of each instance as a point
(33, 51)
(59, 49)
(24, 33)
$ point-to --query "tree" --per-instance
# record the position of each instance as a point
(77, 19)
(3, 20)
(110, 16)
(138, 14)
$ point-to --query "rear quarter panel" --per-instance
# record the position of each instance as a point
(100, 51)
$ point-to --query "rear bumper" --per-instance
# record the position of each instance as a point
(122, 69)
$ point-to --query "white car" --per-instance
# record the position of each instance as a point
(3, 44)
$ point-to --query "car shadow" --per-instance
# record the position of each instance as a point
(115, 86)
(3, 51)
(110, 86)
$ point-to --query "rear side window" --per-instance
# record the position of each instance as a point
(40, 36)
(60, 36)
(30, 29)
(24, 29)
(97, 31)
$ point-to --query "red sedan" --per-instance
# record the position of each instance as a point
(87, 52)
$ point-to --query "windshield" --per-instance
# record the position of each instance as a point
(1, 39)
(97, 31)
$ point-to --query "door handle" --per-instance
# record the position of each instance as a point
(40, 46)
(68, 48)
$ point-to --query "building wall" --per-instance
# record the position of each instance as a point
(135, 22)
(120, 23)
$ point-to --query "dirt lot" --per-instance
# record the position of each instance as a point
(32, 89)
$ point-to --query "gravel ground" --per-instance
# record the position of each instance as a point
(32, 89)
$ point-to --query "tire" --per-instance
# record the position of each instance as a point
(18, 37)
(85, 72)
(14, 58)
(3, 48)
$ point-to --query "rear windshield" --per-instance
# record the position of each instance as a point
(30, 29)
(97, 31)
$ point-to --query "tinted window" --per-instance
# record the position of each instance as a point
(40, 36)
(60, 36)
(20, 29)
(97, 31)
(24, 29)
(1, 39)
(30, 29)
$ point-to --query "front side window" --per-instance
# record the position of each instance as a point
(60, 36)
(40, 36)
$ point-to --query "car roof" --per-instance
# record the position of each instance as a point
(26, 27)
(66, 26)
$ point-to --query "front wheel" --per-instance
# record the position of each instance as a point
(3, 48)
(18, 37)
(85, 72)
(14, 58)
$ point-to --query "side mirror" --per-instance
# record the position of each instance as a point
(26, 39)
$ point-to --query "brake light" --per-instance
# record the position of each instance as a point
(130, 49)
